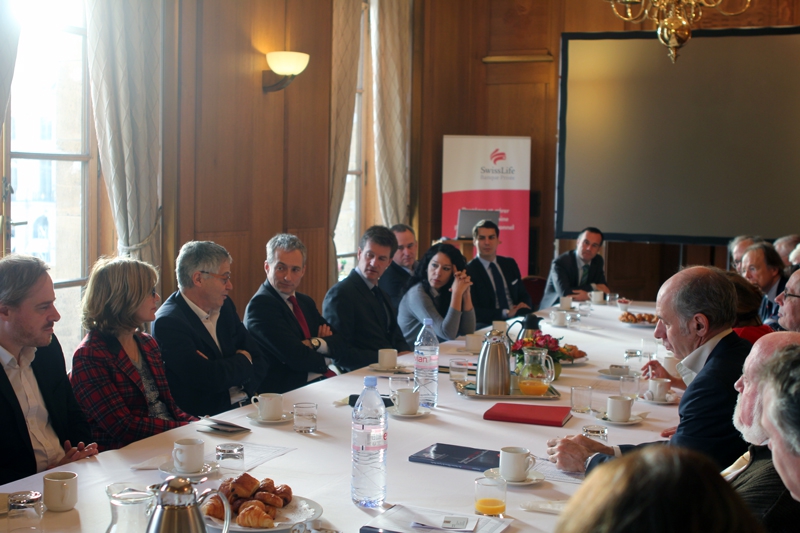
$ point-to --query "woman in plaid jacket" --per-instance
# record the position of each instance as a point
(117, 372)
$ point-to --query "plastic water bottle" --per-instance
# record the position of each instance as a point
(426, 364)
(368, 478)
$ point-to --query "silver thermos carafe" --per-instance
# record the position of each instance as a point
(493, 375)
(178, 509)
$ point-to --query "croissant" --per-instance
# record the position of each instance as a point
(266, 485)
(214, 508)
(244, 486)
(238, 502)
(269, 499)
(225, 489)
(285, 493)
(253, 516)
(252, 503)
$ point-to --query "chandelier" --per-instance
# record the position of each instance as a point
(673, 17)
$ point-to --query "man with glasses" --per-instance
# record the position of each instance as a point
(578, 271)
(789, 300)
(738, 246)
(212, 362)
(763, 267)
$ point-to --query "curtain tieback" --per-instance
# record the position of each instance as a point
(125, 250)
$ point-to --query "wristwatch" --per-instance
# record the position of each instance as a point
(315, 343)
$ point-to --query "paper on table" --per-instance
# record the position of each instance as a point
(400, 519)
(470, 521)
(551, 473)
(255, 454)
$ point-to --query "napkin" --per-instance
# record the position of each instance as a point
(152, 464)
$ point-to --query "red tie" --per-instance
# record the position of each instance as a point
(298, 313)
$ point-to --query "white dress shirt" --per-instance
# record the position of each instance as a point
(693, 363)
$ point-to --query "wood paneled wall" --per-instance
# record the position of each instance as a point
(241, 165)
(455, 92)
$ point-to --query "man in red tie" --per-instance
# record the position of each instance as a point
(286, 324)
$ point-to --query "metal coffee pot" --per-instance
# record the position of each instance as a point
(178, 508)
(493, 376)
(530, 326)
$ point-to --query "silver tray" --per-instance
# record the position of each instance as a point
(461, 389)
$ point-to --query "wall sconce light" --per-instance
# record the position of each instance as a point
(285, 68)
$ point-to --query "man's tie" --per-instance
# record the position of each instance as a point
(383, 316)
(499, 287)
(584, 275)
(298, 313)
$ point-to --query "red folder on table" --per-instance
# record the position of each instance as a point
(542, 415)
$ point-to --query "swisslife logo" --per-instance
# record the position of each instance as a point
(496, 173)
(497, 156)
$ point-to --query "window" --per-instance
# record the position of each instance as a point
(51, 152)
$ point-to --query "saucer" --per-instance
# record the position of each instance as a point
(606, 373)
(288, 416)
(634, 419)
(533, 477)
(375, 367)
(674, 401)
(422, 411)
(168, 468)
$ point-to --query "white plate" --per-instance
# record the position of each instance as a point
(168, 468)
(635, 419)
(675, 401)
(533, 477)
(639, 324)
(288, 416)
(375, 367)
(422, 411)
(606, 373)
(299, 510)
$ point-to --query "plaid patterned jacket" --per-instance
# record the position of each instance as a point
(109, 389)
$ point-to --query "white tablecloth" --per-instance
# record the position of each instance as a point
(319, 467)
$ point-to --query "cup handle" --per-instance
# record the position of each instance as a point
(176, 452)
(254, 400)
(393, 396)
(531, 462)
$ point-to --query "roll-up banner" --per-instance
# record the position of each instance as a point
(493, 174)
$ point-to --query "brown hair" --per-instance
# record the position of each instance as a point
(658, 489)
(748, 300)
(18, 275)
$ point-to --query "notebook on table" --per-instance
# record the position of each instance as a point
(542, 415)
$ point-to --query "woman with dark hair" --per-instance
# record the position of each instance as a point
(117, 373)
(748, 323)
(439, 289)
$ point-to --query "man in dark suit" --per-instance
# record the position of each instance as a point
(497, 289)
(789, 302)
(577, 272)
(212, 362)
(38, 411)
(753, 476)
(357, 307)
(696, 309)
(763, 267)
(394, 279)
(298, 343)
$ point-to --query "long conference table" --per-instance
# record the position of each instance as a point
(318, 467)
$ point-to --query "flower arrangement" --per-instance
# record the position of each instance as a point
(566, 353)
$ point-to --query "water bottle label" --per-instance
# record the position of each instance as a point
(426, 361)
(369, 438)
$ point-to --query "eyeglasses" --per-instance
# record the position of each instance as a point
(224, 277)
(790, 295)
(153, 292)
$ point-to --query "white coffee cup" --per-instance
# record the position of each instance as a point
(558, 318)
(387, 358)
(474, 342)
(500, 325)
(406, 401)
(515, 463)
(565, 303)
(598, 297)
(60, 491)
(670, 364)
(269, 404)
(659, 388)
(618, 408)
(187, 455)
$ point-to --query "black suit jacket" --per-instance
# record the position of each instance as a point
(280, 337)
(706, 409)
(769, 310)
(564, 278)
(201, 386)
(393, 282)
(483, 295)
(354, 313)
(68, 421)
(763, 491)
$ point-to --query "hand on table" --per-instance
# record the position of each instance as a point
(669, 432)
(570, 453)
(71, 454)
(579, 295)
(520, 308)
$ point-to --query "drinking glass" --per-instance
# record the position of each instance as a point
(490, 496)
(573, 320)
(305, 417)
(596, 432)
(230, 455)
(581, 399)
(400, 382)
(25, 511)
(629, 386)
(458, 369)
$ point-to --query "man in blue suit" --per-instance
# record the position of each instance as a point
(696, 309)
(763, 267)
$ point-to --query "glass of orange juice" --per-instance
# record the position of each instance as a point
(490, 496)
(534, 386)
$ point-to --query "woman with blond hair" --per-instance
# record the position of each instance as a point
(117, 373)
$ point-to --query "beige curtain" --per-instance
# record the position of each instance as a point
(9, 40)
(124, 47)
(390, 36)
(344, 80)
